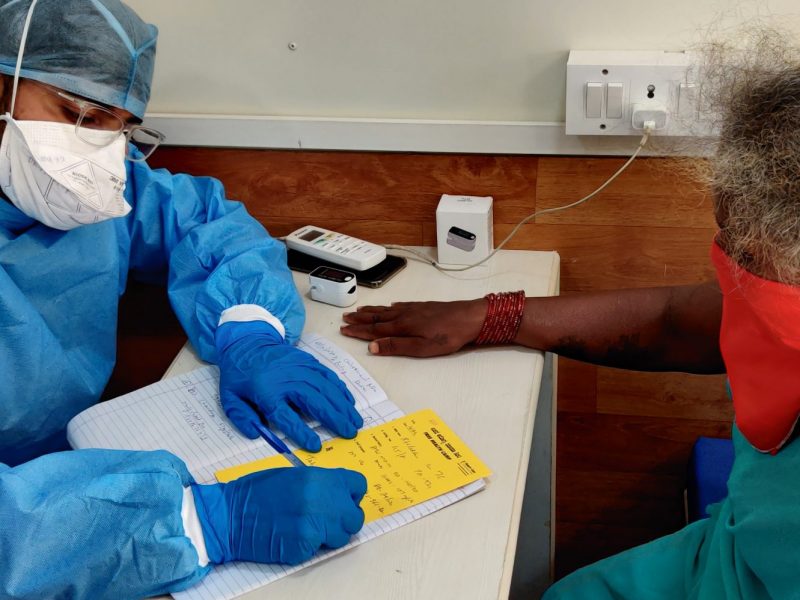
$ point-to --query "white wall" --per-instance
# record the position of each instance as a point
(486, 60)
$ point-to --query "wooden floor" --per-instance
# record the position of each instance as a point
(623, 438)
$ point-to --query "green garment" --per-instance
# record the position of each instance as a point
(749, 548)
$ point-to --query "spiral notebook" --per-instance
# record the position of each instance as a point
(183, 415)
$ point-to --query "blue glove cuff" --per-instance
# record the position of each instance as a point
(231, 332)
(212, 510)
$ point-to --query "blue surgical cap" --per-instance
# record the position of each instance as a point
(99, 49)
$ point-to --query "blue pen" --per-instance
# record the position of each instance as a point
(277, 443)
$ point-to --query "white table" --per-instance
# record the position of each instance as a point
(489, 396)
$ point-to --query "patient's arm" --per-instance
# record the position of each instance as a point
(656, 329)
(653, 329)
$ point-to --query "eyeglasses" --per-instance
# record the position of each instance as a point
(98, 126)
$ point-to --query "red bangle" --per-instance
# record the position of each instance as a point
(503, 318)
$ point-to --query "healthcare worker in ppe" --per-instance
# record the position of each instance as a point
(745, 323)
(79, 211)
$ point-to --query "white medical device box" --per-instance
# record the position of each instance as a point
(337, 248)
(464, 229)
(333, 286)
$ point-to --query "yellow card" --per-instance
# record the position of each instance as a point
(406, 461)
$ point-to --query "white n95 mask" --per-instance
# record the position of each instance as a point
(53, 176)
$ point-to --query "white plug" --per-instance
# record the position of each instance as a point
(650, 115)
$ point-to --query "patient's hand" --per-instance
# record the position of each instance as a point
(417, 328)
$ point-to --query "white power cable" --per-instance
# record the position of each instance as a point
(648, 128)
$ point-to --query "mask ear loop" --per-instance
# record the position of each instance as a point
(18, 68)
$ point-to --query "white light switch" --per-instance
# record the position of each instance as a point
(614, 101)
(687, 101)
(594, 100)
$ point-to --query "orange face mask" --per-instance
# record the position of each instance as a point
(760, 342)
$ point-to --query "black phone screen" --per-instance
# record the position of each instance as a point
(373, 277)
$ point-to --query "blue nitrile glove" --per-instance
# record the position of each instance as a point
(263, 376)
(280, 515)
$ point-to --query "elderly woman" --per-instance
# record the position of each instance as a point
(746, 323)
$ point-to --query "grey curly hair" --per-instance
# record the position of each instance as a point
(754, 89)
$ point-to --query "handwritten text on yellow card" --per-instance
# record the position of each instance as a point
(406, 461)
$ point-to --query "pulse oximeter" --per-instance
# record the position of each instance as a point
(333, 286)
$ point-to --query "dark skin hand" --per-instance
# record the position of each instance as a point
(654, 329)
(421, 329)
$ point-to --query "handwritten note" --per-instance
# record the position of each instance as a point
(365, 389)
(200, 413)
(406, 461)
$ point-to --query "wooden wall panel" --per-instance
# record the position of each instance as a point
(577, 386)
(628, 443)
(623, 438)
(651, 192)
(584, 543)
(669, 395)
(613, 257)
(622, 498)
(149, 338)
(359, 185)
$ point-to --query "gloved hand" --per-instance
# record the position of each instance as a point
(262, 375)
(280, 515)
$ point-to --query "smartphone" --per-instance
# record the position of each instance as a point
(373, 277)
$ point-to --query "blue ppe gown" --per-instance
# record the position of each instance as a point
(59, 295)
(748, 549)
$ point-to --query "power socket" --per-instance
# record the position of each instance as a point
(606, 88)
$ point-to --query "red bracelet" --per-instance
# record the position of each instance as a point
(503, 318)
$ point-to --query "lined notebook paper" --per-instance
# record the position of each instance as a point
(183, 415)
